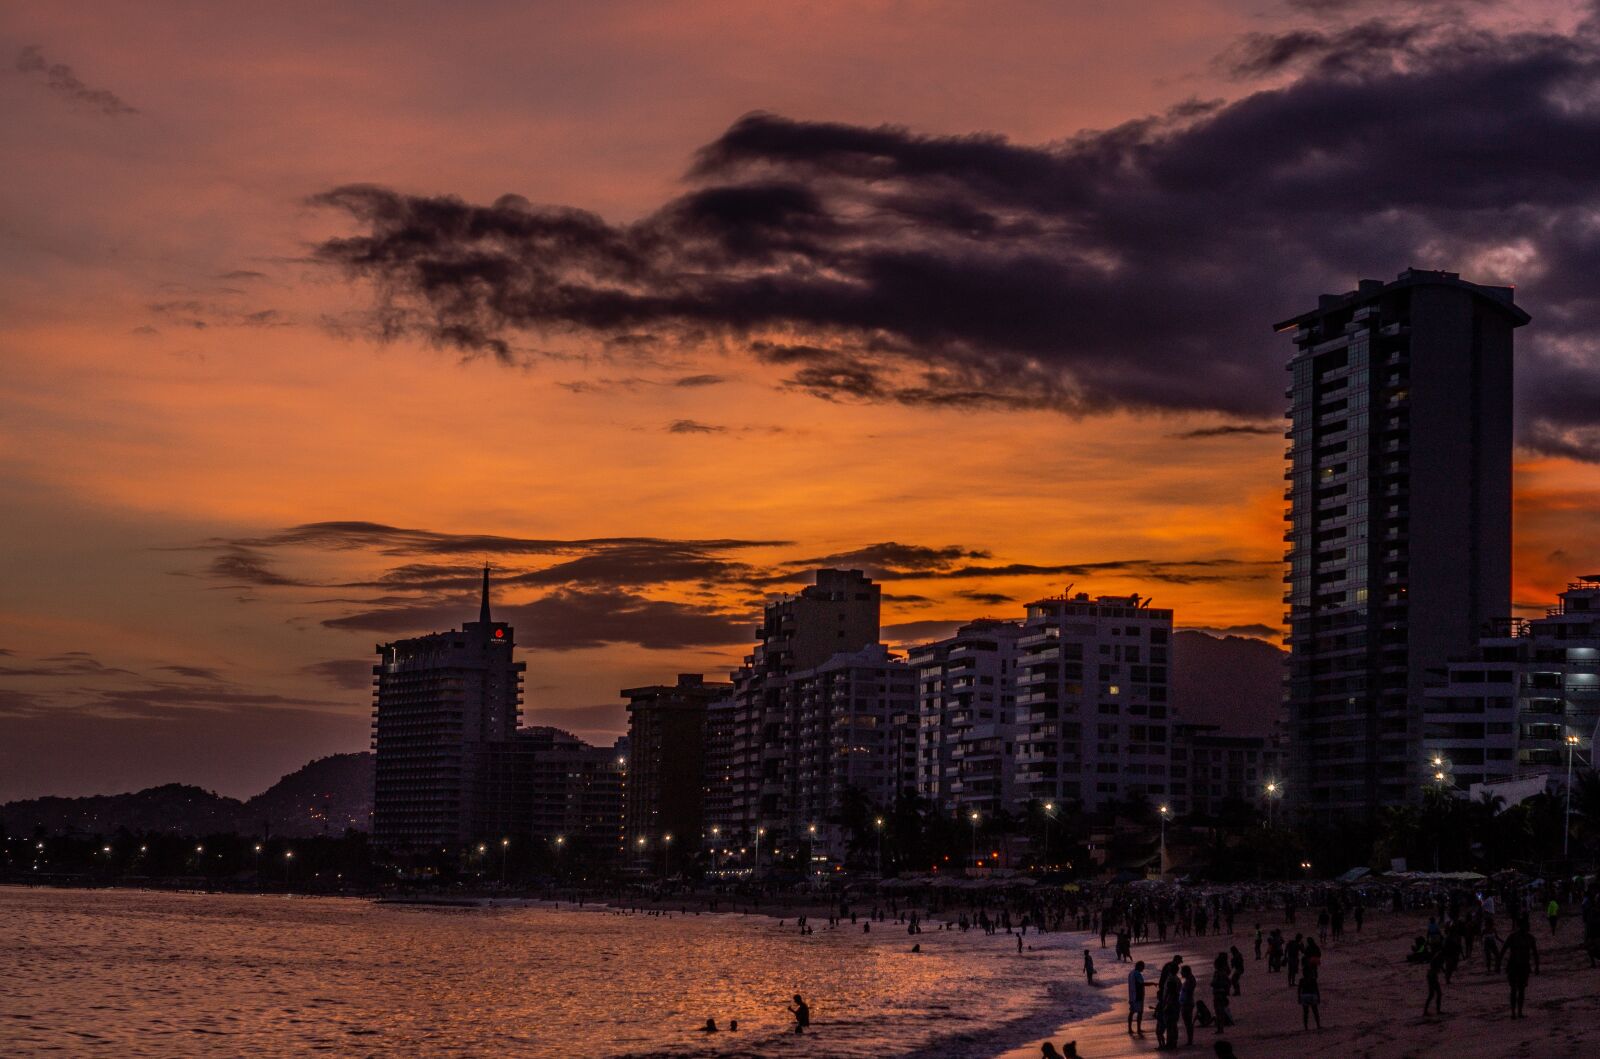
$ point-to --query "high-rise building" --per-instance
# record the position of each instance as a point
(666, 768)
(1093, 721)
(441, 703)
(1399, 521)
(1524, 699)
(836, 615)
(967, 718)
(843, 716)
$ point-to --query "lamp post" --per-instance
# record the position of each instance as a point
(974, 819)
(716, 840)
(505, 853)
(1165, 810)
(1566, 831)
(1049, 818)
(879, 824)
(666, 855)
(755, 873)
(811, 848)
(1272, 795)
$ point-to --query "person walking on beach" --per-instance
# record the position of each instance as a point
(1552, 912)
(802, 1014)
(1259, 938)
(1088, 966)
(1136, 1000)
(1435, 991)
(1221, 982)
(1186, 1003)
(1170, 1001)
(1236, 962)
(1521, 959)
(1311, 993)
(1295, 948)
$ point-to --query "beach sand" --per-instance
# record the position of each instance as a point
(1371, 1001)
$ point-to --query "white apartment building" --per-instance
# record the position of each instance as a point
(966, 718)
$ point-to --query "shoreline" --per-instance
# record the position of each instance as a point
(1371, 1001)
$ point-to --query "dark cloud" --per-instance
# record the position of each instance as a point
(569, 619)
(908, 599)
(245, 566)
(903, 559)
(1131, 268)
(60, 79)
(989, 599)
(692, 381)
(194, 672)
(1177, 572)
(351, 673)
(242, 274)
(692, 426)
(76, 664)
(396, 540)
(1228, 430)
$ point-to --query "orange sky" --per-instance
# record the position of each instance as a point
(129, 433)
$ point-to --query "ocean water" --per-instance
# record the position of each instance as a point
(121, 973)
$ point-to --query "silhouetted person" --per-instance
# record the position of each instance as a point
(1236, 962)
(1521, 959)
(1088, 966)
(802, 1014)
(1136, 999)
(709, 1027)
(1435, 991)
(1186, 990)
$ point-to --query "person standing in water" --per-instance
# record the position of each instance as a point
(1521, 956)
(802, 1014)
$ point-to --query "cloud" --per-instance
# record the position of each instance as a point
(1177, 572)
(570, 619)
(397, 540)
(60, 79)
(1137, 267)
(1228, 430)
(894, 557)
(353, 674)
(691, 426)
(246, 566)
(66, 664)
(694, 381)
(194, 672)
(908, 632)
(990, 599)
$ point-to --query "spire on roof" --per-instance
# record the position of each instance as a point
(483, 608)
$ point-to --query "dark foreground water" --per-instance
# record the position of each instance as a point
(119, 973)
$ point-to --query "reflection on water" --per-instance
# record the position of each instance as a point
(155, 974)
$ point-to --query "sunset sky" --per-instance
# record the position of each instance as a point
(308, 310)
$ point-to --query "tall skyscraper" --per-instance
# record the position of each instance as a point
(1399, 521)
(441, 704)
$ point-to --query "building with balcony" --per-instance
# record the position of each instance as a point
(1399, 522)
(1212, 768)
(966, 729)
(1521, 701)
(838, 614)
(1093, 722)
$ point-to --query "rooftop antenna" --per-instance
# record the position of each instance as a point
(483, 607)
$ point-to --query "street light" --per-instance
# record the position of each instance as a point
(879, 824)
(1164, 811)
(755, 872)
(1049, 818)
(974, 818)
(811, 848)
(505, 854)
(1566, 833)
(666, 855)
(1273, 788)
